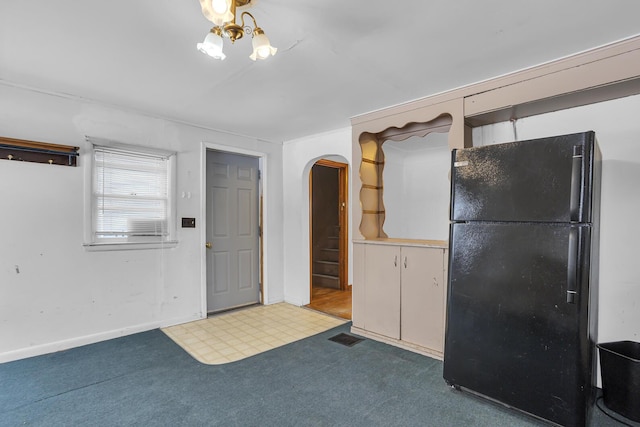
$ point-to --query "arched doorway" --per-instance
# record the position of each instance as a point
(328, 228)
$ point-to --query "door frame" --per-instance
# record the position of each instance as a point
(263, 200)
(343, 219)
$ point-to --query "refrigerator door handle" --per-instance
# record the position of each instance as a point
(572, 268)
(575, 203)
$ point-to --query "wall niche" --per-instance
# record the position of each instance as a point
(405, 181)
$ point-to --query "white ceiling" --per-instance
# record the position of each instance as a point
(336, 59)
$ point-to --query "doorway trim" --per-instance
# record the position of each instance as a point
(343, 201)
(262, 217)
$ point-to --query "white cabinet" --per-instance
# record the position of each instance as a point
(399, 294)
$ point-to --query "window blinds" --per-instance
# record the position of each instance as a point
(131, 194)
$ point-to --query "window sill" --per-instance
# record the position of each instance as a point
(97, 247)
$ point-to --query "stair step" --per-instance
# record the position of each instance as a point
(326, 281)
(327, 262)
(329, 254)
(333, 242)
(330, 268)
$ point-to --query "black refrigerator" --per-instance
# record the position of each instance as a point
(522, 294)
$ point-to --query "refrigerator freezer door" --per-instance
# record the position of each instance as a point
(512, 335)
(541, 180)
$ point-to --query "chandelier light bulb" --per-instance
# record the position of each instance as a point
(217, 11)
(220, 6)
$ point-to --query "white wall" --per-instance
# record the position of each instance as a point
(298, 157)
(618, 133)
(416, 187)
(53, 293)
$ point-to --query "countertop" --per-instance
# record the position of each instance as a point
(442, 244)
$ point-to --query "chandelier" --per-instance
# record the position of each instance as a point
(223, 14)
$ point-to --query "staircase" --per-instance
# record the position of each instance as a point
(326, 260)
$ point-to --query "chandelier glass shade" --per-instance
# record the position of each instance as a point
(223, 14)
(212, 44)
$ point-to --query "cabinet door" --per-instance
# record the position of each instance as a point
(382, 290)
(422, 297)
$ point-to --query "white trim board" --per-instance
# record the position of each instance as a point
(39, 350)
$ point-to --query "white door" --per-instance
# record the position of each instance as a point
(232, 231)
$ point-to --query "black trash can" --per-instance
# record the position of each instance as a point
(620, 368)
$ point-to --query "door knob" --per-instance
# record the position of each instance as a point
(208, 245)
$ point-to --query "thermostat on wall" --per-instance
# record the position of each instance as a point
(188, 223)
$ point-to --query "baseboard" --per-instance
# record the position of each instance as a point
(299, 302)
(434, 354)
(181, 320)
(53, 347)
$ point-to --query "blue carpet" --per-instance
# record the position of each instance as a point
(147, 380)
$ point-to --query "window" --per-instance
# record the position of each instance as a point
(131, 200)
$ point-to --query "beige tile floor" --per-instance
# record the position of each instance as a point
(246, 332)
